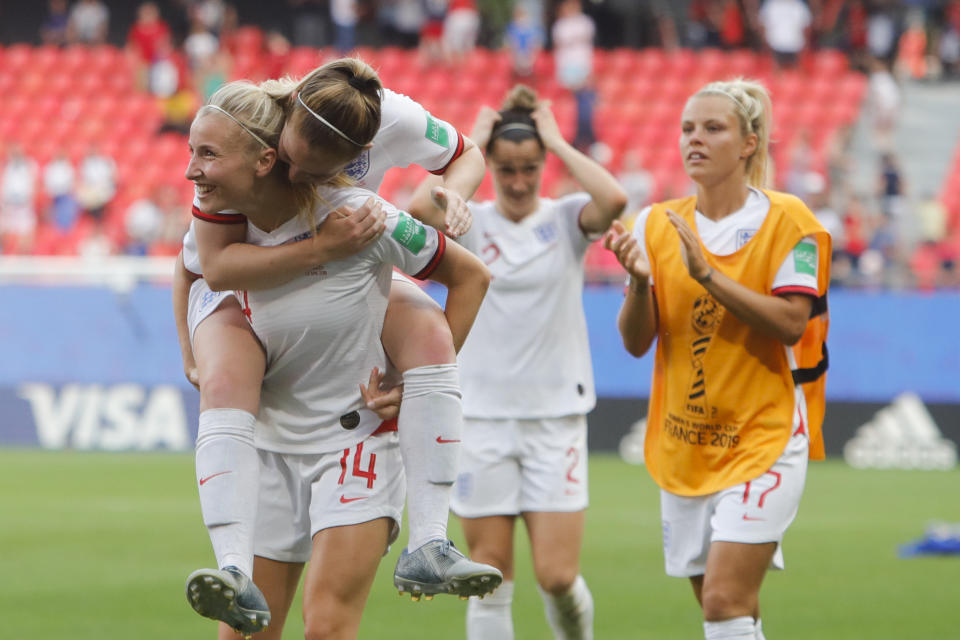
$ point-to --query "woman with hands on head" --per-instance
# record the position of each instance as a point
(526, 371)
(326, 121)
(732, 283)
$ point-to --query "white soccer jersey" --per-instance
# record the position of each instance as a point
(408, 135)
(528, 355)
(321, 331)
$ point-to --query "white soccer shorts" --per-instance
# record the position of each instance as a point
(202, 302)
(303, 494)
(511, 466)
(753, 512)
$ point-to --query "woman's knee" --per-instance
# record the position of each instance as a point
(417, 336)
(327, 625)
(720, 602)
(556, 580)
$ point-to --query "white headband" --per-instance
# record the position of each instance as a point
(326, 122)
(245, 128)
(736, 101)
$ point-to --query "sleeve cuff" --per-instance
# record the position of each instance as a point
(456, 154)
(424, 273)
(219, 218)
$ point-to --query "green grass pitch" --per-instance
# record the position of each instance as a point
(96, 546)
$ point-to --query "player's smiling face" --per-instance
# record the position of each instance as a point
(517, 169)
(711, 143)
(223, 166)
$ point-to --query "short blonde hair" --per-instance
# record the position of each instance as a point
(751, 104)
(260, 110)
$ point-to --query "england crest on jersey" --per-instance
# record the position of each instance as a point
(546, 233)
(744, 235)
(359, 168)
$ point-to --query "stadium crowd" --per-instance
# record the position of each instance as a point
(86, 193)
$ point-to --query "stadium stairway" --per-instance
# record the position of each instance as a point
(924, 141)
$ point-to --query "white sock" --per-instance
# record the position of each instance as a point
(491, 617)
(742, 628)
(571, 614)
(228, 473)
(758, 631)
(430, 425)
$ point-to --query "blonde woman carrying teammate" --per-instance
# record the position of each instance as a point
(345, 94)
(330, 487)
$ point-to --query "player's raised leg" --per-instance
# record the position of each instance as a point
(230, 365)
(418, 340)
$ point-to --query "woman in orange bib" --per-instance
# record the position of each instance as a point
(732, 284)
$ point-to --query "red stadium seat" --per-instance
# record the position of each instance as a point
(829, 63)
(742, 62)
(46, 59)
(17, 57)
(651, 62)
(620, 63)
(713, 63)
(303, 60)
(246, 40)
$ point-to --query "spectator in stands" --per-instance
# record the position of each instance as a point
(948, 50)
(96, 243)
(839, 163)
(461, 26)
(800, 159)
(399, 22)
(883, 104)
(703, 20)
(148, 36)
(882, 32)
(931, 219)
(828, 26)
(732, 25)
(176, 217)
(636, 181)
(857, 232)
(911, 57)
(818, 199)
(344, 16)
(143, 222)
(785, 24)
(98, 181)
(891, 194)
(200, 45)
(573, 33)
(523, 39)
(309, 22)
(58, 183)
(208, 62)
(211, 14)
(88, 23)
(53, 29)
(431, 31)
(276, 54)
(948, 44)
(18, 214)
